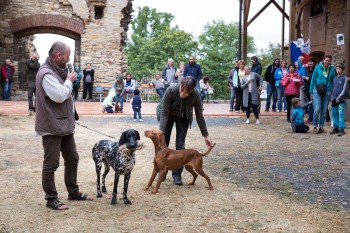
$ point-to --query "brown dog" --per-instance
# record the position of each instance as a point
(167, 159)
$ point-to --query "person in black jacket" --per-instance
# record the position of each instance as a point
(88, 80)
(256, 65)
(194, 70)
(271, 88)
(306, 89)
(32, 68)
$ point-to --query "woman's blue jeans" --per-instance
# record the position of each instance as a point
(281, 98)
(203, 94)
(271, 92)
(310, 109)
(120, 98)
(232, 97)
(7, 89)
(320, 104)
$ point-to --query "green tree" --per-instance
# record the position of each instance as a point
(267, 56)
(153, 41)
(218, 49)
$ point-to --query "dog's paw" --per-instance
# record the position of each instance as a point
(154, 191)
(114, 200)
(127, 202)
(99, 194)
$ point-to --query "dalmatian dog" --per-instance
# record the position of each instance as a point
(121, 157)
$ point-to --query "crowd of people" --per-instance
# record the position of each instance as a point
(285, 82)
(316, 89)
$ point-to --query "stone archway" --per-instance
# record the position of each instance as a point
(98, 27)
(43, 23)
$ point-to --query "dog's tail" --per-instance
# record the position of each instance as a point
(208, 151)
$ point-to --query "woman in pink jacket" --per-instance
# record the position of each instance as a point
(292, 83)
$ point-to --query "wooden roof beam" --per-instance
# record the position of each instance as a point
(280, 9)
(259, 13)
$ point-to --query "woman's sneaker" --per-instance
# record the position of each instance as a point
(308, 122)
(321, 130)
(247, 121)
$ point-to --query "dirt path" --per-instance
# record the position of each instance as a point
(229, 208)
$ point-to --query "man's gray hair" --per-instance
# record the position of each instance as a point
(57, 47)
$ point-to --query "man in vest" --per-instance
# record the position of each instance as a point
(54, 121)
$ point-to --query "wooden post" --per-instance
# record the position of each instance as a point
(282, 39)
(292, 22)
(240, 31)
(245, 31)
(347, 39)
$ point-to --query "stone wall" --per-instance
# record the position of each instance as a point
(98, 40)
(336, 21)
(335, 24)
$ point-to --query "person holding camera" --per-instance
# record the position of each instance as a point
(32, 69)
(306, 89)
(7, 71)
(292, 83)
(88, 81)
(320, 87)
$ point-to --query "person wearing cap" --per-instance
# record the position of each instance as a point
(119, 90)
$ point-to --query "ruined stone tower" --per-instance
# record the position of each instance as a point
(99, 28)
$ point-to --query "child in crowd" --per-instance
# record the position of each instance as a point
(337, 98)
(136, 104)
(107, 105)
(297, 117)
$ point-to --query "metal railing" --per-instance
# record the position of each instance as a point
(217, 81)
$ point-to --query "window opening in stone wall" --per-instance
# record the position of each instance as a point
(99, 12)
(318, 7)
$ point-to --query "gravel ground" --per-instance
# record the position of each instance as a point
(265, 179)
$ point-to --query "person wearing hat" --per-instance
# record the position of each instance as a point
(119, 90)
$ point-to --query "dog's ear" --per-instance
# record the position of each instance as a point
(137, 135)
(122, 139)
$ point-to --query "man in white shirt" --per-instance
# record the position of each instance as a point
(55, 122)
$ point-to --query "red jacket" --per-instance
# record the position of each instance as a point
(4, 70)
(292, 83)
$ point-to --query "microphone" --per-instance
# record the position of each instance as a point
(70, 67)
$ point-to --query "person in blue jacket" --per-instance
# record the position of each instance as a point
(339, 92)
(297, 117)
(76, 84)
(322, 79)
(279, 74)
(194, 70)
